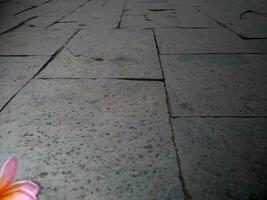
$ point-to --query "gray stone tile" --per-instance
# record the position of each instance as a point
(148, 5)
(213, 40)
(187, 16)
(218, 85)
(20, 67)
(7, 24)
(223, 158)
(98, 139)
(93, 19)
(242, 19)
(42, 21)
(15, 7)
(130, 54)
(8, 88)
(54, 8)
(66, 26)
(147, 1)
(29, 41)
(222, 13)
(103, 14)
(11, 8)
(259, 44)
(149, 19)
(229, 11)
(250, 26)
(15, 72)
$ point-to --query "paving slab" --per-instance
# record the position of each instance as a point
(7, 24)
(242, 19)
(259, 44)
(16, 7)
(11, 8)
(188, 16)
(42, 21)
(146, 1)
(130, 54)
(103, 14)
(154, 5)
(99, 139)
(149, 18)
(73, 25)
(94, 19)
(8, 88)
(223, 158)
(228, 11)
(207, 40)
(54, 8)
(216, 85)
(222, 13)
(15, 72)
(31, 41)
(250, 26)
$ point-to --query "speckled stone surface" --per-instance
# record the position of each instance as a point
(250, 26)
(138, 99)
(15, 72)
(248, 21)
(8, 88)
(219, 85)
(7, 24)
(101, 13)
(92, 19)
(211, 40)
(54, 8)
(21, 67)
(147, 5)
(223, 158)
(130, 54)
(149, 18)
(42, 21)
(13, 8)
(29, 41)
(188, 16)
(97, 140)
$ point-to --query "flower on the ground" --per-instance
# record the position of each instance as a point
(21, 190)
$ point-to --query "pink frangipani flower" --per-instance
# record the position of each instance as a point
(21, 190)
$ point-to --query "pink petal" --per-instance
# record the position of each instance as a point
(21, 194)
(27, 185)
(8, 173)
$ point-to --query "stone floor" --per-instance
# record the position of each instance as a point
(136, 99)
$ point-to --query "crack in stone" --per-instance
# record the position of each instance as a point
(71, 12)
(103, 4)
(249, 11)
(25, 10)
(187, 195)
(17, 26)
(21, 55)
(105, 78)
(147, 18)
(51, 58)
(73, 54)
(32, 7)
(229, 29)
(57, 52)
(12, 97)
(161, 10)
(122, 13)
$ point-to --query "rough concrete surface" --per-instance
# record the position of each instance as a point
(135, 99)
